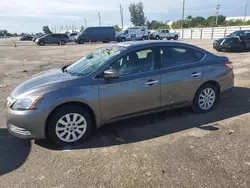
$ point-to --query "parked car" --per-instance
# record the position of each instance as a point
(236, 41)
(133, 33)
(96, 34)
(72, 36)
(164, 34)
(116, 82)
(53, 39)
(26, 37)
(36, 37)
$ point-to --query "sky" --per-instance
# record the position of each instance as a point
(30, 15)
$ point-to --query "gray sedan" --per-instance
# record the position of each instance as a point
(116, 82)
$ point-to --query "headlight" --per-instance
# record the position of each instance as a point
(27, 103)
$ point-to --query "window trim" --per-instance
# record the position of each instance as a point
(161, 67)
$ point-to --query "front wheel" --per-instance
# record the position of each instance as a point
(157, 37)
(205, 99)
(81, 41)
(69, 125)
(176, 37)
(41, 43)
(62, 42)
(123, 39)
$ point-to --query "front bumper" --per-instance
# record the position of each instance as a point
(26, 124)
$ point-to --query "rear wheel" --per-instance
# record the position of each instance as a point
(123, 39)
(176, 37)
(206, 98)
(69, 125)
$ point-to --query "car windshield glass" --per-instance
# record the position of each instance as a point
(234, 34)
(93, 61)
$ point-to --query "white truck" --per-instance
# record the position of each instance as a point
(133, 33)
(164, 34)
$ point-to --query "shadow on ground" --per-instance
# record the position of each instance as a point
(13, 152)
(161, 124)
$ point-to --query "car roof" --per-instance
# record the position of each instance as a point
(152, 43)
(149, 43)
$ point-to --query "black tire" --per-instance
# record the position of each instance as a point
(81, 41)
(176, 37)
(62, 42)
(123, 39)
(59, 113)
(105, 41)
(196, 107)
(41, 43)
(157, 37)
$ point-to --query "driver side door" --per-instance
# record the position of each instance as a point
(137, 89)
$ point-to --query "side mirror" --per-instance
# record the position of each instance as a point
(111, 74)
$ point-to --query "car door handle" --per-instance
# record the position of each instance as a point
(195, 74)
(151, 82)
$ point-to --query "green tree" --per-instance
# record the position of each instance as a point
(117, 28)
(148, 24)
(137, 16)
(46, 30)
(210, 21)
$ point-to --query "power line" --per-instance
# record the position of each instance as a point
(217, 14)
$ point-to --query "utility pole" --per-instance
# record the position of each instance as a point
(245, 13)
(217, 14)
(86, 23)
(121, 13)
(183, 14)
(99, 15)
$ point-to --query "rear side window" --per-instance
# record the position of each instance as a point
(175, 56)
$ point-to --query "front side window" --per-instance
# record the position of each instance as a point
(93, 61)
(134, 62)
(174, 56)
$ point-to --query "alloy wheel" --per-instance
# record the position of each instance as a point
(206, 99)
(71, 127)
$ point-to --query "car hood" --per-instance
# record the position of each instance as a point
(41, 80)
(226, 38)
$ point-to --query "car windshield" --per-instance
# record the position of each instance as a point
(93, 61)
(236, 33)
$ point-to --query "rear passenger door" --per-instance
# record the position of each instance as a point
(181, 74)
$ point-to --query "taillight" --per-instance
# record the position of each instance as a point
(229, 65)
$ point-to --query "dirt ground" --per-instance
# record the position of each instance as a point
(171, 149)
